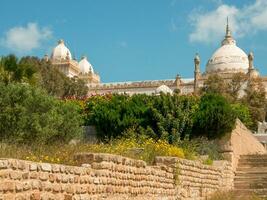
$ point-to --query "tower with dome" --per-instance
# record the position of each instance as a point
(226, 61)
(61, 59)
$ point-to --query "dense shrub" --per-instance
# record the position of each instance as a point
(160, 117)
(167, 117)
(28, 114)
(214, 118)
(242, 112)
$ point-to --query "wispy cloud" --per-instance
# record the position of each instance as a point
(209, 26)
(25, 38)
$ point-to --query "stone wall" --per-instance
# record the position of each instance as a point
(105, 176)
(241, 141)
(197, 181)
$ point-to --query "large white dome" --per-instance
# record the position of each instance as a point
(85, 66)
(228, 58)
(61, 52)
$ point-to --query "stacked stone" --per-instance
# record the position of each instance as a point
(132, 177)
(198, 181)
(106, 176)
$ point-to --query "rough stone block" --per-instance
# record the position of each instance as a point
(46, 167)
(3, 164)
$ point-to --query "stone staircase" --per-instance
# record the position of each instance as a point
(251, 176)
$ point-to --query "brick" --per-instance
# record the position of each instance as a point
(19, 187)
(56, 188)
(33, 167)
(16, 175)
(33, 175)
(4, 173)
(55, 168)
(8, 186)
(36, 196)
(26, 186)
(46, 167)
(36, 184)
(67, 197)
(3, 164)
(43, 176)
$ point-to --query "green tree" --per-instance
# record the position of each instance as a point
(255, 99)
(214, 84)
(242, 112)
(235, 86)
(214, 118)
(55, 82)
(13, 71)
(28, 114)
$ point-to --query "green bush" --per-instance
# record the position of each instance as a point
(167, 117)
(28, 114)
(242, 112)
(214, 118)
(160, 117)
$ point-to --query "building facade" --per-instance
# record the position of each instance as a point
(226, 61)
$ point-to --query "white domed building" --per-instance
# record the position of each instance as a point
(87, 72)
(226, 61)
(229, 58)
(61, 58)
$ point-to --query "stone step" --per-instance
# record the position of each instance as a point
(252, 174)
(251, 161)
(258, 192)
(250, 179)
(250, 185)
(253, 156)
(251, 169)
(256, 164)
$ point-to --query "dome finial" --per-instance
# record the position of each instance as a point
(61, 41)
(228, 31)
(228, 39)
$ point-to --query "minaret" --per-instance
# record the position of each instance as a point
(252, 72)
(250, 61)
(197, 73)
(46, 58)
(178, 82)
(228, 39)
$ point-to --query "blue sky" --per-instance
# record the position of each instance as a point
(134, 39)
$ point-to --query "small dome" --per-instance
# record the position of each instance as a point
(228, 58)
(164, 89)
(85, 66)
(61, 52)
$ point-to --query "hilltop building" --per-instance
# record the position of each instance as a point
(227, 60)
(61, 59)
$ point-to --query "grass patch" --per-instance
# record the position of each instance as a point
(63, 153)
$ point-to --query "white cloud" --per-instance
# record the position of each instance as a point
(209, 26)
(24, 39)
